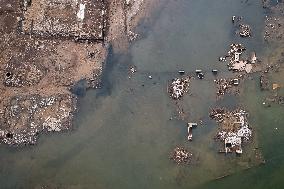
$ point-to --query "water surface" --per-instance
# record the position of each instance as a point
(125, 131)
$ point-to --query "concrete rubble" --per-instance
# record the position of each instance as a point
(234, 129)
(225, 86)
(178, 87)
(181, 156)
(244, 30)
(236, 62)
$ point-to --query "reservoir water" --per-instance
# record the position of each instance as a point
(124, 133)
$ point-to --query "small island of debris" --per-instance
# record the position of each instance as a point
(234, 129)
(178, 87)
(181, 156)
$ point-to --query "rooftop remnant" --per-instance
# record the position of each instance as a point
(79, 19)
(234, 129)
(178, 87)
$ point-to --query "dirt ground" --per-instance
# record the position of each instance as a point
(44, 52)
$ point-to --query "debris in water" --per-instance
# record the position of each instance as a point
(190, 126)
(234, 129)
(178, 87)
(181, 155)
(227, 86)
(245, 30)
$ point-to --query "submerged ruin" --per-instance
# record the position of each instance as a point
(234, 130)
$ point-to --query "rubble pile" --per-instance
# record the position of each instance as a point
(233, 128)
(245, 30)
(24, 117)
(237, 64)
(225, 86)
(181, 155)
(178, 87)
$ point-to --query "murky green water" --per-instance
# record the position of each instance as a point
(123, 133)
